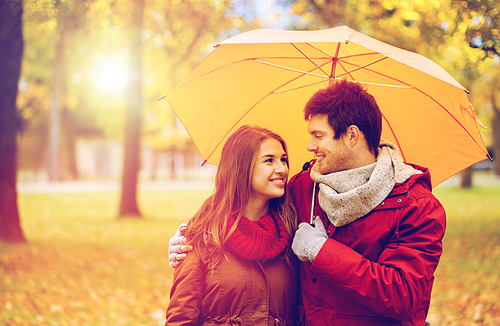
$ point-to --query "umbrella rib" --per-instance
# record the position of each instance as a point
(430, 97)
(294, 70)
(395, 138)
(322, 81)
(250, 109)
(304, 73)
(377, 84)
(335, 60)
(255, 59)
(326, 77)
(345, 57)
(383, 75)
(298, 87)
(189, 133)
(319, 50)
(383, 85)
(445, 109)
(409, 87)
(181, 84)
(342, 66)
(369, 83)
(456, 120)
(361, 55)
(314, 63)
(362, 67)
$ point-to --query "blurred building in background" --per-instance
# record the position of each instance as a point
(103, 158)
(94, 156)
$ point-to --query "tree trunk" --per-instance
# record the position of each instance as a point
(173, 167)
(11, 52)
(128, 203)
(467, 178)
(68, 130)
(54, 116)
(155, 164)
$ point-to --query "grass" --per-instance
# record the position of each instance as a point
(467, 281)
(84, 266)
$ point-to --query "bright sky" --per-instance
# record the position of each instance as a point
(267, 11)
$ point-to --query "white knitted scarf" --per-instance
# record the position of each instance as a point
(348, 195)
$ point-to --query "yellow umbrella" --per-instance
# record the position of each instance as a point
(265, 77)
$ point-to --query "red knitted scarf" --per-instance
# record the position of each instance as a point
(258, 240)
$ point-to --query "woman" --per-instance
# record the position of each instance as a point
(242, 270)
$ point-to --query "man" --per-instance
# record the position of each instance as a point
(370, 254)
(371, 257)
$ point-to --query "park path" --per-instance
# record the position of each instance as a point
(483, 179)
(478, 178)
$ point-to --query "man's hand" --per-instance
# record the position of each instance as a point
(177, 246)
(309, 239)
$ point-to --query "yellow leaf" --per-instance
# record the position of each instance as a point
(8, 305)
(56, 308)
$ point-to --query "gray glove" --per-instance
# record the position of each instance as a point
(177, 247)
(308, 240)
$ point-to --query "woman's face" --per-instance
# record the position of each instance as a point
(270, 171)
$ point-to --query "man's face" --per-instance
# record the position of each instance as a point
(333, 155)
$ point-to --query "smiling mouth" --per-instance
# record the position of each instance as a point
(279, 182)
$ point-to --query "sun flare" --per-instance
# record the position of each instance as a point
(111, 75)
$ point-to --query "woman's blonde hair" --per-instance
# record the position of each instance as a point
(232, 191)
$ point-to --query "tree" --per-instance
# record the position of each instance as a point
(67, 40)
(481, 19)
(181, 31)
(50, 30)
(495, 122)
(11, 51)
(487, 99)
(483, 24)
(128, 202)
(412, 25)
(54, 116)
(69, 18)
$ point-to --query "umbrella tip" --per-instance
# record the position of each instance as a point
(489, 157)
(161, 97)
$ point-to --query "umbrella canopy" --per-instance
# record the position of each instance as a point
(265, 77)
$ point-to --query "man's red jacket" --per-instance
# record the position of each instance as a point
(379, 269)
